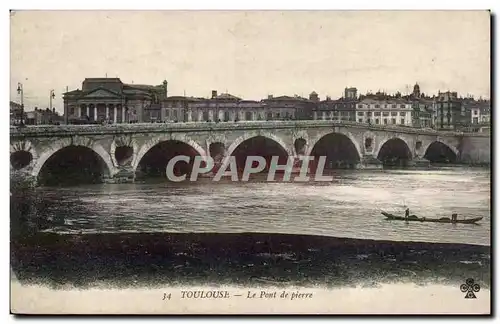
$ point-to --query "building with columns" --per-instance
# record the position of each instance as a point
(110, 100)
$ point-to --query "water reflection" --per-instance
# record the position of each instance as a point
(349, 206)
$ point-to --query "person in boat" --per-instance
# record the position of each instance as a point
(407, 213)
(454, 217)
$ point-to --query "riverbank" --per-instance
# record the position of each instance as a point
(240, 259)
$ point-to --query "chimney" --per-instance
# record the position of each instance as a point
(214, 94)
(270, 96)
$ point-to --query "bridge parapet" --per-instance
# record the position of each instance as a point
(58, 130)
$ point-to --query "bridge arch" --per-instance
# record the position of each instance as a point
(438, 149)
(393, 147)
(74, 141)
(263, 144)
(386, 139)
(146, 147)
(451, 147)
(249, 135)
(342, 132)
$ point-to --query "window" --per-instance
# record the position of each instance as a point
(377, 113)
(269, 115)
(167, 113)
(394, 113)
(377, 121)
(377, 106)
(72, 110)
(360, 120)
(205, 115)
(393, 106)
(475, 120)
(360, 113)
(226, 115)
(335, 113)
(368, 120)
(385, 121)
(360, 106)
(369, 114)
(402, 121)
(394, 121)
(248, 115)
(402, 113)
(385, 113)
(175, 114)
(385, 105)
(402, 106)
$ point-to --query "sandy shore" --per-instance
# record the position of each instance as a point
(245, 259)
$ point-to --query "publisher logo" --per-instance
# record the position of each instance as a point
(469, 288)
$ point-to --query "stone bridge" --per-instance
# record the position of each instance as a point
(121, 148)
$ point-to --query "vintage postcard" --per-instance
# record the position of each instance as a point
(250, 162)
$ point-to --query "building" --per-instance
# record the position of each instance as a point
(478, 114)
(43, 117)
(485, 112)
(111, 100)
(449, 112)
(17, 116)
(175, 108)
(386, 111)
(351, 93)
(422, 108)
(422, 112)
(342, 109)
(226, 107)
(295, 107)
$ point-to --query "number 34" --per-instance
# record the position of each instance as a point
(166, 296)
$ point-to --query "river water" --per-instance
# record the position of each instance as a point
(349, 206)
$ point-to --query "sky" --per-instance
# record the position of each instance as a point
(251, 54)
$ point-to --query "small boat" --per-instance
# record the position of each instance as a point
(413, 218)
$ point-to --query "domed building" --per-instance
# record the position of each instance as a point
(416, 91)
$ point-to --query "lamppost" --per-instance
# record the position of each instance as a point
(21, 92)
(51, 96)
